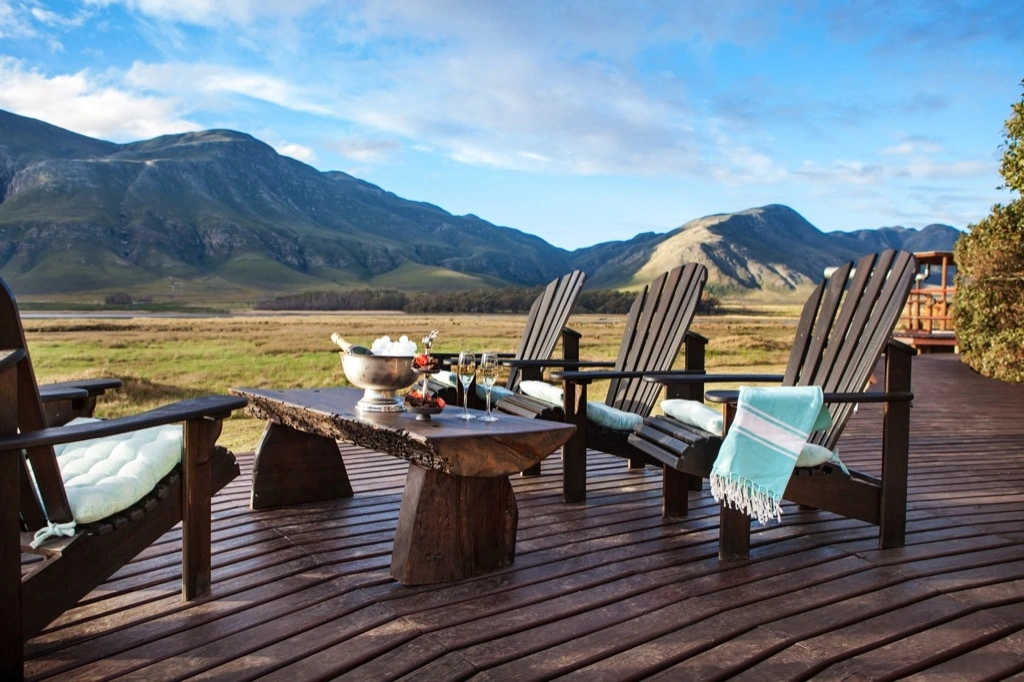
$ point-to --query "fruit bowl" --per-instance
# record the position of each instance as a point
(379, 376)
(423, 413)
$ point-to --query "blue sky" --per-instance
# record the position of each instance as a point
(578, 121)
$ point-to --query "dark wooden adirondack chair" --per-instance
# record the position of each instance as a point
(844, 328)
(656, 327)
(544, 326)
(37, 585)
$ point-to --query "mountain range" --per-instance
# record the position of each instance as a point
(218, 214)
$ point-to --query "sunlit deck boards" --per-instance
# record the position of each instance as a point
(604, 590)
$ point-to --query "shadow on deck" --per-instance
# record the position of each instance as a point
(602, 590)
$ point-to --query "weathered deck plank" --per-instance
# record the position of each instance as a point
(603, 590)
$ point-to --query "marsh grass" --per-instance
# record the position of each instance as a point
(162, 359)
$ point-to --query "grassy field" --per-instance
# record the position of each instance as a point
(162, 359)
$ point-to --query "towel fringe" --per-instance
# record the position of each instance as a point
(745, 496)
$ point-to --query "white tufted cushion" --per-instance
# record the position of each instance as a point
(542, 390)
(812, 455)
(599, 413)
(106, 475)
(694, 413)
(445, 378)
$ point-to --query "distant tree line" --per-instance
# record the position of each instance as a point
(480, 301)
(126, 299)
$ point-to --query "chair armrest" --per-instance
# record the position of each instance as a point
(598, 375)
(555, 361)
(92, 387)
(49, 393)
(9, 357)
(870, 397)
(895, 397)
(677, 377)
(690, 334)
(449, 358)
(216, 406)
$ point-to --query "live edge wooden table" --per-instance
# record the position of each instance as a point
(458, 516)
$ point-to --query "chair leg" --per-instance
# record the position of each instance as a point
(197, 490)
(574, 452)
(574, 470)
(895, 451)
(532, 471)
(733, 534)
(675, 492)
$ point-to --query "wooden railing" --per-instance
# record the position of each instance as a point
(927, 320)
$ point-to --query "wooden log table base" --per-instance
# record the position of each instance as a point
(458, 516)
(294, 467)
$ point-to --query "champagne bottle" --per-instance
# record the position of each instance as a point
(350, 348)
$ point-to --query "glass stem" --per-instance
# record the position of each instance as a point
(488, 401)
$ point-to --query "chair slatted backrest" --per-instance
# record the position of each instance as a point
(655, 329)
(548, 316)
(844, 327)
(32, 418)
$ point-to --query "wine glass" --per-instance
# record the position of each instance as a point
(466, 370)
(488, 375)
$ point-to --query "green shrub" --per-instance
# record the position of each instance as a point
(989, 306)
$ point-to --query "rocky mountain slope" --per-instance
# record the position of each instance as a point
(771, 247)
(224, 207)
(222, 214)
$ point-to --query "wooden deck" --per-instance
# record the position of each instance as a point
(605, 589)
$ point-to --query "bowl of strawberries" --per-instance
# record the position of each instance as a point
(423, 405)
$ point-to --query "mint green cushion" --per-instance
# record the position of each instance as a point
(612, 418)
(694, 413)
(497, 393)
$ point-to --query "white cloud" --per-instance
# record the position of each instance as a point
(928, 169)
(365, 150)
(49, 18)
(88, 104)
(557, 88)
(214, 13)
(509, 110)
(14, 22)
(296, 151)
(860, 173)
(842, 172)
(212, 81)
(916, 145)
(482, 83)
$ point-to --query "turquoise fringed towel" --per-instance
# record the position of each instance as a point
(759, 452)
